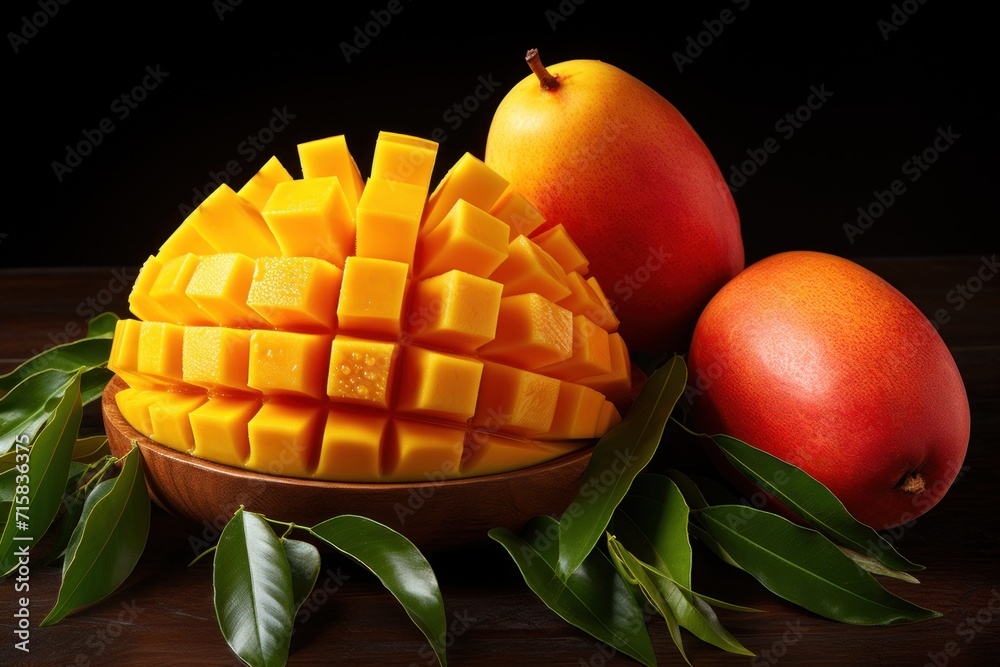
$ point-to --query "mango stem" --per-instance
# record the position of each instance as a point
(547, 80)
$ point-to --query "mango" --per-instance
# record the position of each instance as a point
(331, 328)
(600, 153)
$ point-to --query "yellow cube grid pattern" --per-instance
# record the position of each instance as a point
(330, 328)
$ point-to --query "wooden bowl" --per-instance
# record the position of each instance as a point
(433, 515)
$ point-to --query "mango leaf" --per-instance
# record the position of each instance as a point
(92, 449)
(72, 507)
(593, 597)
(638, 577)
(400, 567)
(872, 565)
(85, 353)
(107, 541)
(304, 565)
(47, 471)
(253, 588)
(811, 500)
(26, 407)
(690, 611)
(618, 457)
(92, 383)
(102, 326)
(652, 522)
(802, 566)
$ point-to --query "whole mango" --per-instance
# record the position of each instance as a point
(822, 363)
(597, 150)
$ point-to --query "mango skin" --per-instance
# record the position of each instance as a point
(619, 166)
(822, 363)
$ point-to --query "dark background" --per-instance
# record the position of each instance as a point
(227, 71)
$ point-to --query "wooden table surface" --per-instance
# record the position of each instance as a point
(163, 613)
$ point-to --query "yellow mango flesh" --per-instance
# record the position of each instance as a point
(334, 329)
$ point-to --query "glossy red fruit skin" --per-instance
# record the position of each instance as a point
(618, 165)
(822, 363)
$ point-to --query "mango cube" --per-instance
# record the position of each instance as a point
(170, 418)
(436, 384)
(298, 293)
(259, 188)
(388, 219)
(217, 358)
(351, 449)
(330, 157)
(469, 179)
(220, 428)
(455, 310)
(467, 239)
(140, 302)
(558, 243)
(160, 351)
(520, 216)
(220, 286)
(528, 268)
(169, 290)
(422, 452)
(361, 371)
(311, 218)
(285, 438)
(289, 363)
(531, 332)
(228, 221)
(404, 158)
(515, 401)
(185, 239)
(372, 296)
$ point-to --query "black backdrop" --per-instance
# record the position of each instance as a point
(895, 76)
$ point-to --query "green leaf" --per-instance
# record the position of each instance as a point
(304, 565)
(26, 407)
(690, 610)
(72, 507)
(810, 500)
(593, 597)
(84, 353)
(102, 326)
(400, 567)
(634, 574)
(618, 457)
(872, 565)
(254, 594)
(652, 523)
(108, 540)
(92, 383)
(802, 566)
(46, 473)
(92, 449)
